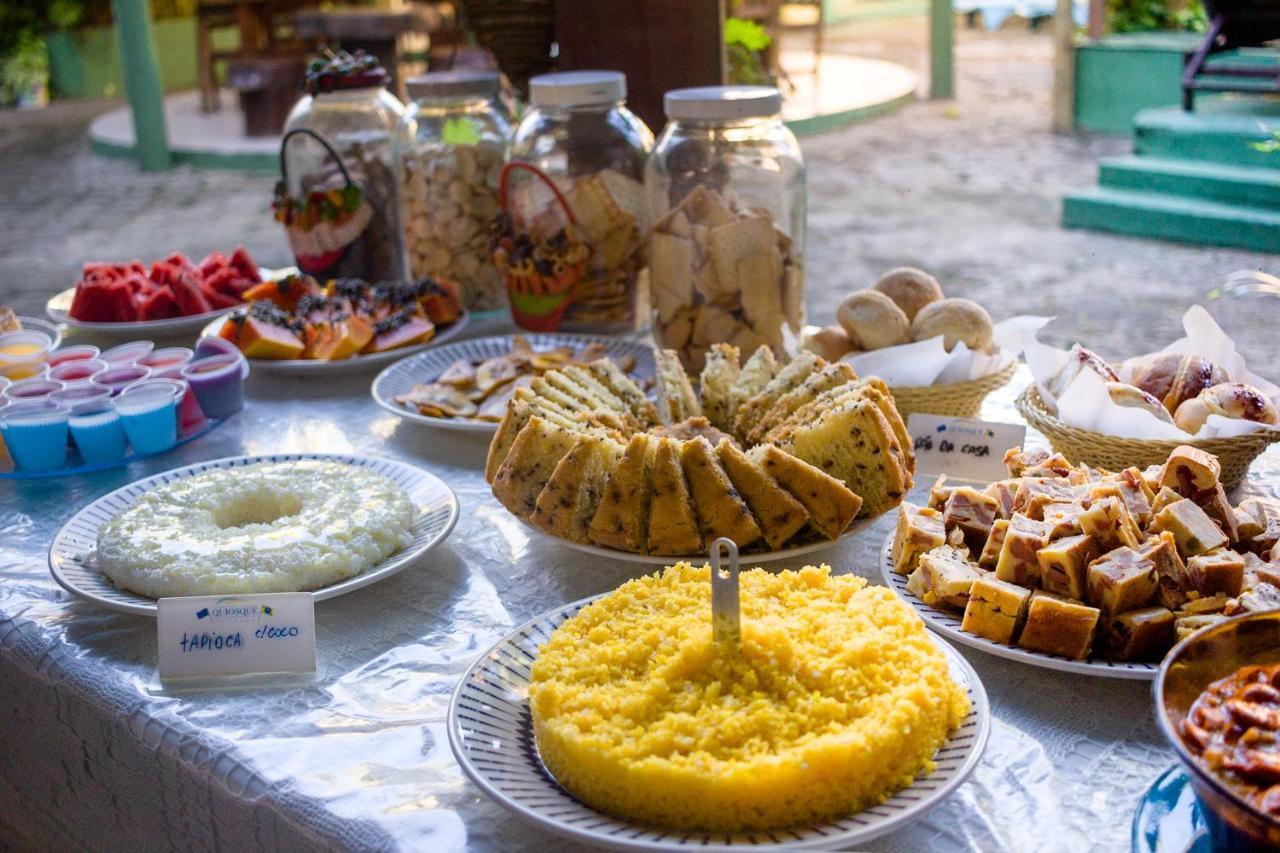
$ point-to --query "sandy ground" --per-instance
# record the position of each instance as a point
(969, 190)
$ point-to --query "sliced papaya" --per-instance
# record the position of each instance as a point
(260, 339)
(347, 337)
(411, 330)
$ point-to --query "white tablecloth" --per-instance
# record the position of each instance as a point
(92, 757)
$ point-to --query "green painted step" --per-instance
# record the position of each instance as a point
(1247, 185)
(1220, 130)
(1169, 217)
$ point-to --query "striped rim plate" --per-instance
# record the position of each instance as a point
(491, 734)
(425, 367)
(947, 623)
(71, 554)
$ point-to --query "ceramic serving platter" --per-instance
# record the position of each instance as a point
(425, 367)
(947, 623)
(71, 557)
(491, 733)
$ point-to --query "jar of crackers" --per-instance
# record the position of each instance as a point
(449, 151)
(570, 238)
(726, 198)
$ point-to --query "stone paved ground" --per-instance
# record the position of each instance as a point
(969, 190)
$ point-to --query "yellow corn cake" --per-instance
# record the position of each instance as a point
(836, 699)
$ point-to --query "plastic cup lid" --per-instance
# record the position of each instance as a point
(452, 84)
(722, 103)
(577, 88)
(167, 357)
(79, 352)
(29, 411)
(30, 389)
(214, 364)
(127, 353)
(16, 371)
(77, 368)
(82, 400)
(148, 393)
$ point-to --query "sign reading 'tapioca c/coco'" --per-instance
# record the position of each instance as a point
(221, 635)
(963, 448)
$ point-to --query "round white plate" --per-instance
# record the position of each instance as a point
(747, 558)
(425, 367)
(299, 366)
(71, 554)
(491, 734)
(947, 623)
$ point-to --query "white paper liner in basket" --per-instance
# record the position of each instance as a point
(924, 363)
(1086, 403)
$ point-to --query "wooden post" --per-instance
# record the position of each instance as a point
(1097, 18)
(142, 83)
(941, 43)
(1064, 69)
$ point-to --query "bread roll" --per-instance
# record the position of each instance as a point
(1123, 394)
(956, 320)
(872, 320)
(1173, 378)
(1229, 399)
(909, 288)
(830, 342)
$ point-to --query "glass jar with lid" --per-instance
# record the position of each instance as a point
(336, 196)
(450, 147)
(725, 189)
(571, 243)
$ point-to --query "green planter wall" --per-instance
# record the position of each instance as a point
(1119, 75)
(84, 63)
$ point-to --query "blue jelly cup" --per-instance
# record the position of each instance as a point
(218, 383)
(95, 426)
(149, 414)
(35, 433)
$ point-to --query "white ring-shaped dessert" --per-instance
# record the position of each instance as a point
(270, 527)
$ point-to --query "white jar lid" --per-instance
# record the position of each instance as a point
(722, 103)
(577, 88)
(453, 84)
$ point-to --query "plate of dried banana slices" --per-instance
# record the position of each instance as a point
(466, 385)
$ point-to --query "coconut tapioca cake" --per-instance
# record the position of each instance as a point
(716, 385)
(569, 500)
(720, 509)
(622, 518)
(779, 515)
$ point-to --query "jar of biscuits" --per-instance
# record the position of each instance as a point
(449, 151)
(726, 198)
(337, 196)
(570, 240)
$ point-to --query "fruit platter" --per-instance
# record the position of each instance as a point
(174, 295)
(297, 324)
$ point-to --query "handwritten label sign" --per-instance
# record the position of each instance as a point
(220, 635)
(963, 448)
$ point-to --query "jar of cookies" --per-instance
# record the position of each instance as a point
(570, 241)
(449, 151)
(725, 192)
(337, 196)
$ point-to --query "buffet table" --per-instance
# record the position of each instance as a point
(96, 755)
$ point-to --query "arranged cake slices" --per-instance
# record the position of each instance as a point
(785, 453)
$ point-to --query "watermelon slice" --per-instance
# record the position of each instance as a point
(158, 304)
(190, 297)
(92, 303)
(245, 265)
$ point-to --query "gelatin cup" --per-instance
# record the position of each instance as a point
(35, 433)
(218, 383)
(168, 363)
(149, 414)
(130, 353)
(99, 435)
(24, 345)
(32, 389)
(79, 352)
(16, 371)
(79, 372)
(117, 379)
(82, 399)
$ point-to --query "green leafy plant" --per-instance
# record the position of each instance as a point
(745, 44)
(1268, 146)
(1137, 16)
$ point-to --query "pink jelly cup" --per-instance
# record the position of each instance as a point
(77, 372)
(80, 352)
(82, 399)
(129, 353)
(32, 389)
(210, 346)
(118, 378)
(218, 383)
(167, 362)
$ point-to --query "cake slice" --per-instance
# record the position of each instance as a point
(598, 389)
(673, 527)
(720, 509)
(519, 411)
(616, 380)
(535, 453)
(996, 610)
(829, 377)
(569, 500)
(791, 376)
(868, 388)
(779, 515)
(856, 445)
(760, 368)
(676, 400)
(622, 519)
(1056, 626)
(567, 384)
(570, 402)
(830, 503)
(718, 376)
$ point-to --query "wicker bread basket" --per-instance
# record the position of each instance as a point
(958, 400)
(1235, 453)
